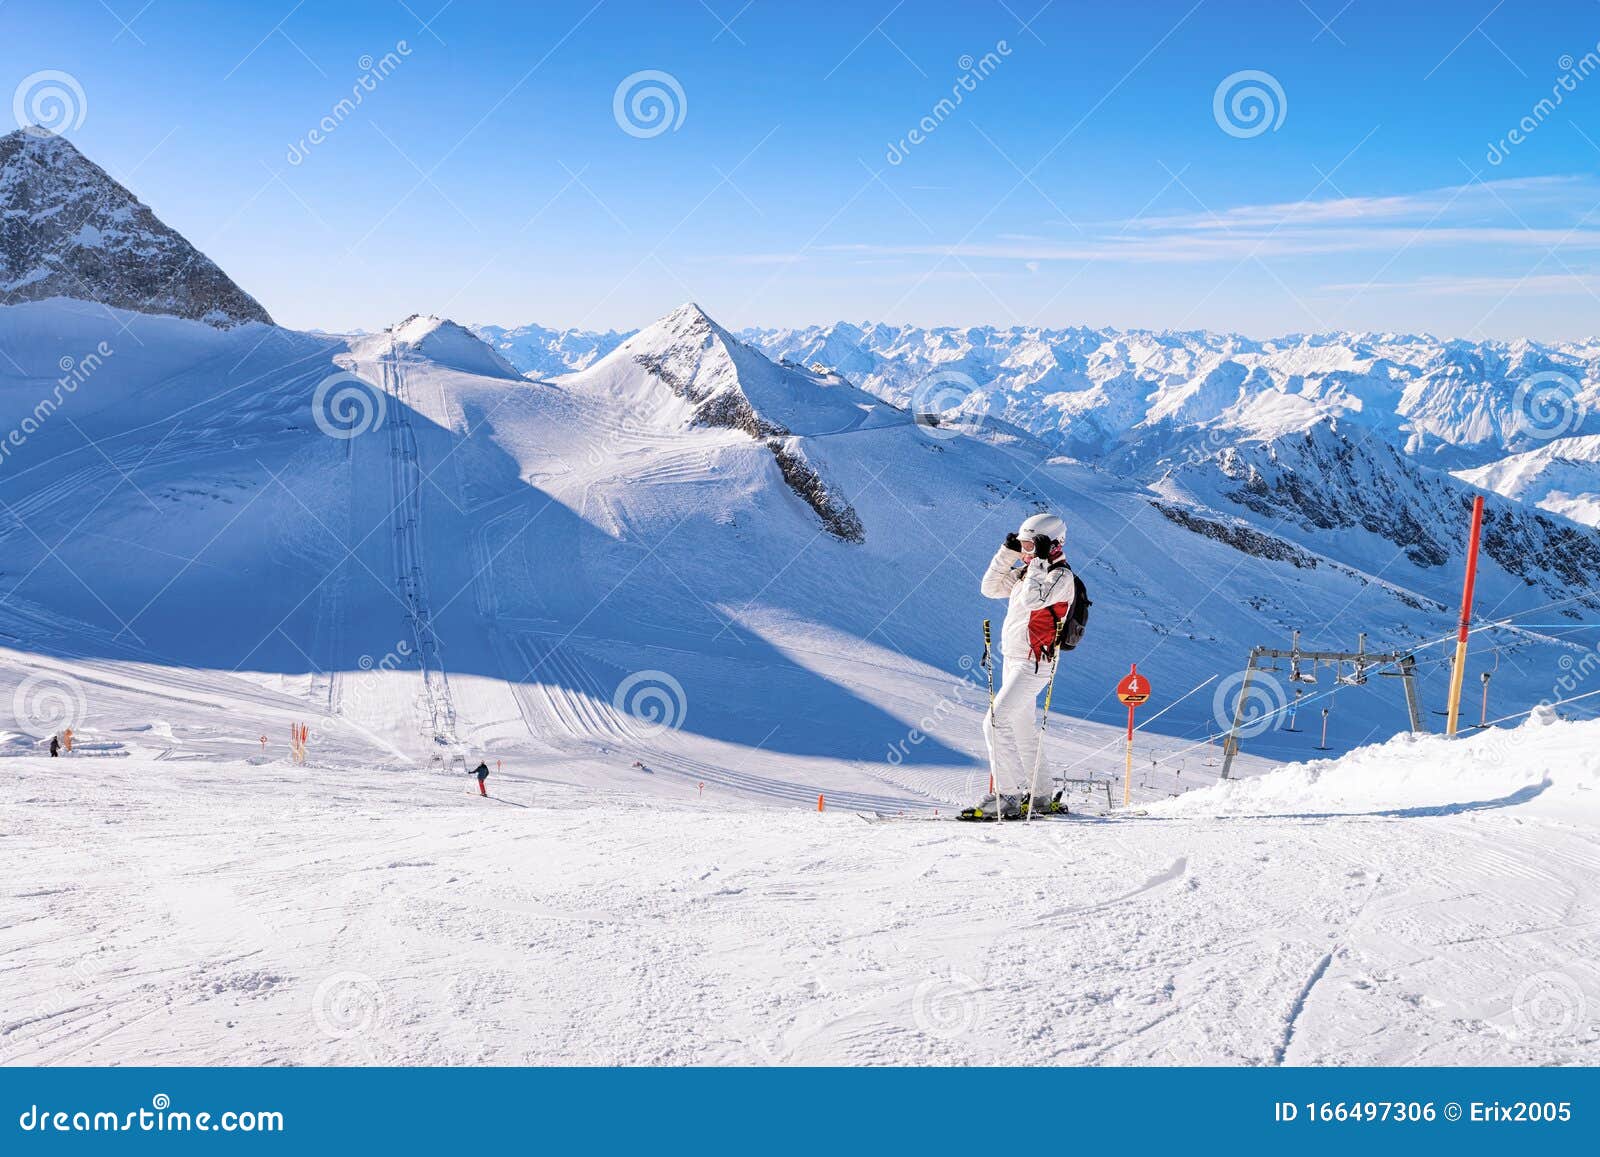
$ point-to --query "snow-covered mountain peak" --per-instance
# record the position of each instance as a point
(68, 229)
(1561, 476)
(442, 342)
(731, 383)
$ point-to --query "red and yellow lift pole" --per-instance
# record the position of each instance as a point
(1459, 672)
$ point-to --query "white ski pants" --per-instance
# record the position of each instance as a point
(1012, 729)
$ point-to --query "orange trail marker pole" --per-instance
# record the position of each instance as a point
(819, 801)
(1133, 690)
(1459, 670)
(1127, 766)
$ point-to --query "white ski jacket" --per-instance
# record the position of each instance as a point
(1034, 590)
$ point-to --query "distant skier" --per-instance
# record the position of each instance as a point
(55, 746)
(1030, 573)
(482, 772)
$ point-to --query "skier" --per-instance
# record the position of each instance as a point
(1030, 573)
(482, 772)
(55, 746)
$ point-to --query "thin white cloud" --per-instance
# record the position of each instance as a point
(1190, 247)
(1500, 197)
(1516, 214)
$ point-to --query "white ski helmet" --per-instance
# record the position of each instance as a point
(1046, 524)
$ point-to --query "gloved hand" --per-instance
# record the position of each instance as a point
(1041, 546)
(1013, 542)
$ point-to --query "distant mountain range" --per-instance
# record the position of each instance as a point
(686, 486)
(1145, 402)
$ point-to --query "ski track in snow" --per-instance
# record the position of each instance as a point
(181, 896)
(212, 912)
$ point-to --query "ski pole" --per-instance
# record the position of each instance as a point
(988, 666)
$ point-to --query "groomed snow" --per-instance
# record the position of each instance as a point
(196, 910)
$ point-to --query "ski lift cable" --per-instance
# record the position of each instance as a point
(1505, 621)
(1376, 668)
(1426, 665)
(1108, 746)
(1536, 706)
(1311, 698)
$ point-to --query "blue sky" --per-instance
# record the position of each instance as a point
(1085, 177)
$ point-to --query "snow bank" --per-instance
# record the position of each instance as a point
(1546, 764)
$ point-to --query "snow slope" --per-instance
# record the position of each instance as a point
(1416, 903)
(1562, 476)
(786, 563)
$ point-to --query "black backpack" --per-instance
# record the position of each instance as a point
(1070, 631)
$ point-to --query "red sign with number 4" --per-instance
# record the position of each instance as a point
(1134, 689)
